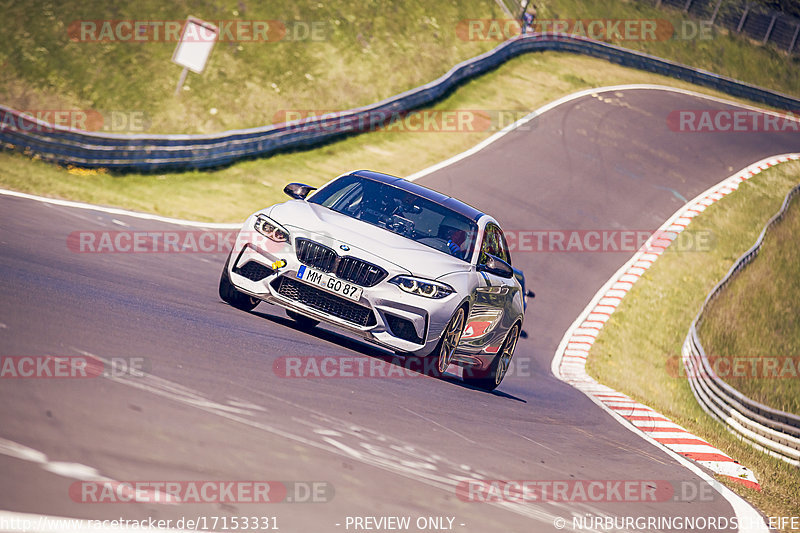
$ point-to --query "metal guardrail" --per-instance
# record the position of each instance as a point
(147, 153)
(749, 18)
(771, 430)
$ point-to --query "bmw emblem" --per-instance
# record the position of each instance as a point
(344, 247)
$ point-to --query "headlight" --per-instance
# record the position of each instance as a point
(271, 229)
(422, 287)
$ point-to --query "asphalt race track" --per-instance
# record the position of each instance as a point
(211, 407)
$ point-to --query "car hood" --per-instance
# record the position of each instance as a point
(366, 241)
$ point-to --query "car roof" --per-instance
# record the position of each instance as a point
(447, 201)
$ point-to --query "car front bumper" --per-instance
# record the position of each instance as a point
(384, 314)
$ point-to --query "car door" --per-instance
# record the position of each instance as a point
(493, 311)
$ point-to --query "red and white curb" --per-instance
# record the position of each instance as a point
(569, 362)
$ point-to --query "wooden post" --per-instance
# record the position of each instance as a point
(716, 12)
(744, 17)
(769, 30)
(794, 39)
(181, 80)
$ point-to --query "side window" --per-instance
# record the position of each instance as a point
(345, 197)
(501, 239)
(494, 243)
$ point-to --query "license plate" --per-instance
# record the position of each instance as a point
(329, 283)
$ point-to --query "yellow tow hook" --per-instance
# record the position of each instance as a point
(280, 263)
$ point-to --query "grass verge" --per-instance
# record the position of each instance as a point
(755, 316)
(230, 194)
(48, 63)
(638, 349)
(359, 53)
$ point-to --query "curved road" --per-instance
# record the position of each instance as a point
(210, 406)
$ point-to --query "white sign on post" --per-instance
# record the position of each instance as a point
(197, 40)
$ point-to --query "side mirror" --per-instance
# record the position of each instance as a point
(498, 267)
(298, 191)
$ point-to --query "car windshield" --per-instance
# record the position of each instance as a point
(401, 212)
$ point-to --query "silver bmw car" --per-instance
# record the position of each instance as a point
(403, 266)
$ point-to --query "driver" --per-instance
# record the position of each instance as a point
(455, 239)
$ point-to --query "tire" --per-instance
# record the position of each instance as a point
(303, 322)
(230, 295)
(435, 364)
(490, 378)
(425, 365)
(451, 337)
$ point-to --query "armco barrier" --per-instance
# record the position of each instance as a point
(755, 20)
(140, 152)
(773, 431)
